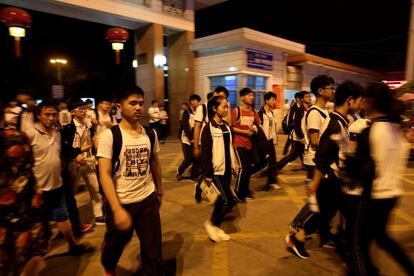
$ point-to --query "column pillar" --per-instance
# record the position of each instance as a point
(149, 77)
(180, 73)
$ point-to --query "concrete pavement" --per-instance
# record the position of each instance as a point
(257, 230)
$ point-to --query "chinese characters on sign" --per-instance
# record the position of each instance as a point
(259, 59)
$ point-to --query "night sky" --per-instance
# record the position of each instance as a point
(91, 70)
(367, 33)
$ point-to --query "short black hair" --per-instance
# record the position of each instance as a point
(134, 90)
(48, 102)
(220, 88)
(348, 89)
(320, 81)
(297, 95)
(210, 95)
(245, 91)
(383, 100)
(302, 94)
(194, 97)
(88, 101)
(268, 95)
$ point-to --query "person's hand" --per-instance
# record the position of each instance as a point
(85, 148)
(160, 196)
(80, 159)
(122, 219)
(303, 141)
(310, 189)
(196, 152)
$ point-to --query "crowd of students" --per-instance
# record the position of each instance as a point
(354, 156)
(354, 170)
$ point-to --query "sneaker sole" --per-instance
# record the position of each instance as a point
(293, 247)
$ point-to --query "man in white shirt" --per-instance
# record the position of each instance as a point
(323, 88)
(104, 119)
(269, 128)
(130, 175)
(46, 146)
(64, 115)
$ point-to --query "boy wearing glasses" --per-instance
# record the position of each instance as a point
(77, 150)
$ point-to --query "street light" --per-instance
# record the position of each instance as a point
(59, 62)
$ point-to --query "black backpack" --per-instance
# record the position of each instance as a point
(117, 145)
(287, 125)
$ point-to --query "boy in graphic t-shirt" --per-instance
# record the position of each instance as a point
(243, 126)
(133, 191)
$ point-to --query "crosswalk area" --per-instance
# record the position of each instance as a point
(257, 229)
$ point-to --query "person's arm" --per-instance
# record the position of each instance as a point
(186, 124)
(207, 153)
(198, 121)
(122, 219)
(313, 124)
(196, 136)
(297, 125)
(156, 176)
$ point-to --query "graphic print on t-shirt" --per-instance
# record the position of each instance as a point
(136, 157)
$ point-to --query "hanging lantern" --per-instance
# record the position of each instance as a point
(17, 20)
(117, 36)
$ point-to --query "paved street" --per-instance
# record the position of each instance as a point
(257, 230)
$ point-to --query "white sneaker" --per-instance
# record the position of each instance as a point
(275, 186)
(211, 231)
(222, 235)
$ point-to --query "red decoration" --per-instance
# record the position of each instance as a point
(117, 35)
(15, 17)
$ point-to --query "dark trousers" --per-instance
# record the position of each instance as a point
(329, 196)
(245, 160)
(157, 127)
(306, 219)
(225, 202)
(147, 224)
(296, 150)
(270, 162)
(188, 161)
(375, 220)
(71, 205)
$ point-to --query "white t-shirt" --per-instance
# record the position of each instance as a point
(46, 154)
(199, 115)
(153, 111)
(314, 121)
(133, 180)
(269, 126)
(90, 115)
(163, 114)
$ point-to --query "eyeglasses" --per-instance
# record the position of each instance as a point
(80, 109)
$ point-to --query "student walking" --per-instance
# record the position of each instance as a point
(377, 170)
(77, 150)
(244, 120)
(130, 175)
(45, 141)
(217, 164)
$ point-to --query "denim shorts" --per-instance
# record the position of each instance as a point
(55, 205)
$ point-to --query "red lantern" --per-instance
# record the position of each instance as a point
(117, 36)
(17, 20)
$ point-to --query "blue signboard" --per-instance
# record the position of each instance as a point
(259, 59)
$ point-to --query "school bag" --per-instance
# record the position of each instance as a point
(287, 125)
(117, 145)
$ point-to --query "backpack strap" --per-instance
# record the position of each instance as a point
(310, 109)
(116, 147)
(151, 135)
(238, 115)
(204, 112)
